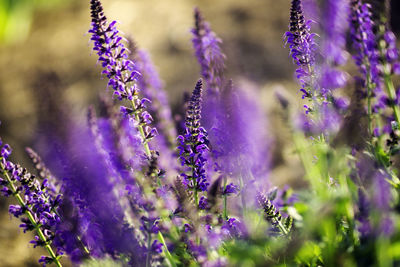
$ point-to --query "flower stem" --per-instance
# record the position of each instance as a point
(369, 103)
(392, 95)
(225, 200)
(148, 250)
(30, 217)
(166, 251)
(141, 131)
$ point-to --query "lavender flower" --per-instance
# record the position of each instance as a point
(39, 207)
(152, 89)
(382, 201)
(207, 49)
(193, 145)
(239, 145)
(273, 215)
(364, 42)
(120, 70)
(335, 24)
(43, 171)
(91, 208)
(302, 48)
(363, 214)
(391, 52)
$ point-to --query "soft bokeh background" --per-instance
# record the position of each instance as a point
(48, 72)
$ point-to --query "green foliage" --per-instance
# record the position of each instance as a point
(16, 17)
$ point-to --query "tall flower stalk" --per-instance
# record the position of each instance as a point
(120, 71)
(34, 201)
(367, 54)
(208, 53)
(192, 148)
(302, 49)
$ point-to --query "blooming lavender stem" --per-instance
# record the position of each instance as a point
(367, 56)
(390, 61)
(34, 200)
(272, 214)
(335, 24)
(120, 71)
(152, 89)
(208, 53)
(302, 49)
(193, 144)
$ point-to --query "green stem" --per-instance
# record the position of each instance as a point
(369, 110)
(387, 75)
(31, 218)
(166, 251)
(282, 228)
(148, 250)
(392, 95)
(242, 196)
(141, 131)
(225, 201)
(196, 198)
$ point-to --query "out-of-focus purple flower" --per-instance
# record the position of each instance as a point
(203, 203)
(239, 145)
(391, 52)
(207, 49)
(311, 10)
(193, 145)
(363, 214)
(198, 251)
(44, 173)
(335, 24)
(152, 88)
(156, 247)
(364, 41)
(187, 228)
(382, 200)
(230, 189)
(90, 208)
(234, 227)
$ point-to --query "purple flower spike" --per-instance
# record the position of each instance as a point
(208, 52)
(302, 48)
(119, 69)
(38, 205)
(364, 40)
(193, 144)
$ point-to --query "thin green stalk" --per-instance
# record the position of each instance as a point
(148, 250)
(387, 74)
(31, 218)
(282, 227)
(196, 198)
(225, 200)
(392, 95)
(242, 196)
(141, 131)
(369, 101)
(166, 251)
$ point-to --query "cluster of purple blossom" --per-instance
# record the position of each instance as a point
(376, 56)
(121, 193)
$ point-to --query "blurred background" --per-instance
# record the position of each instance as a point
(48, 72)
